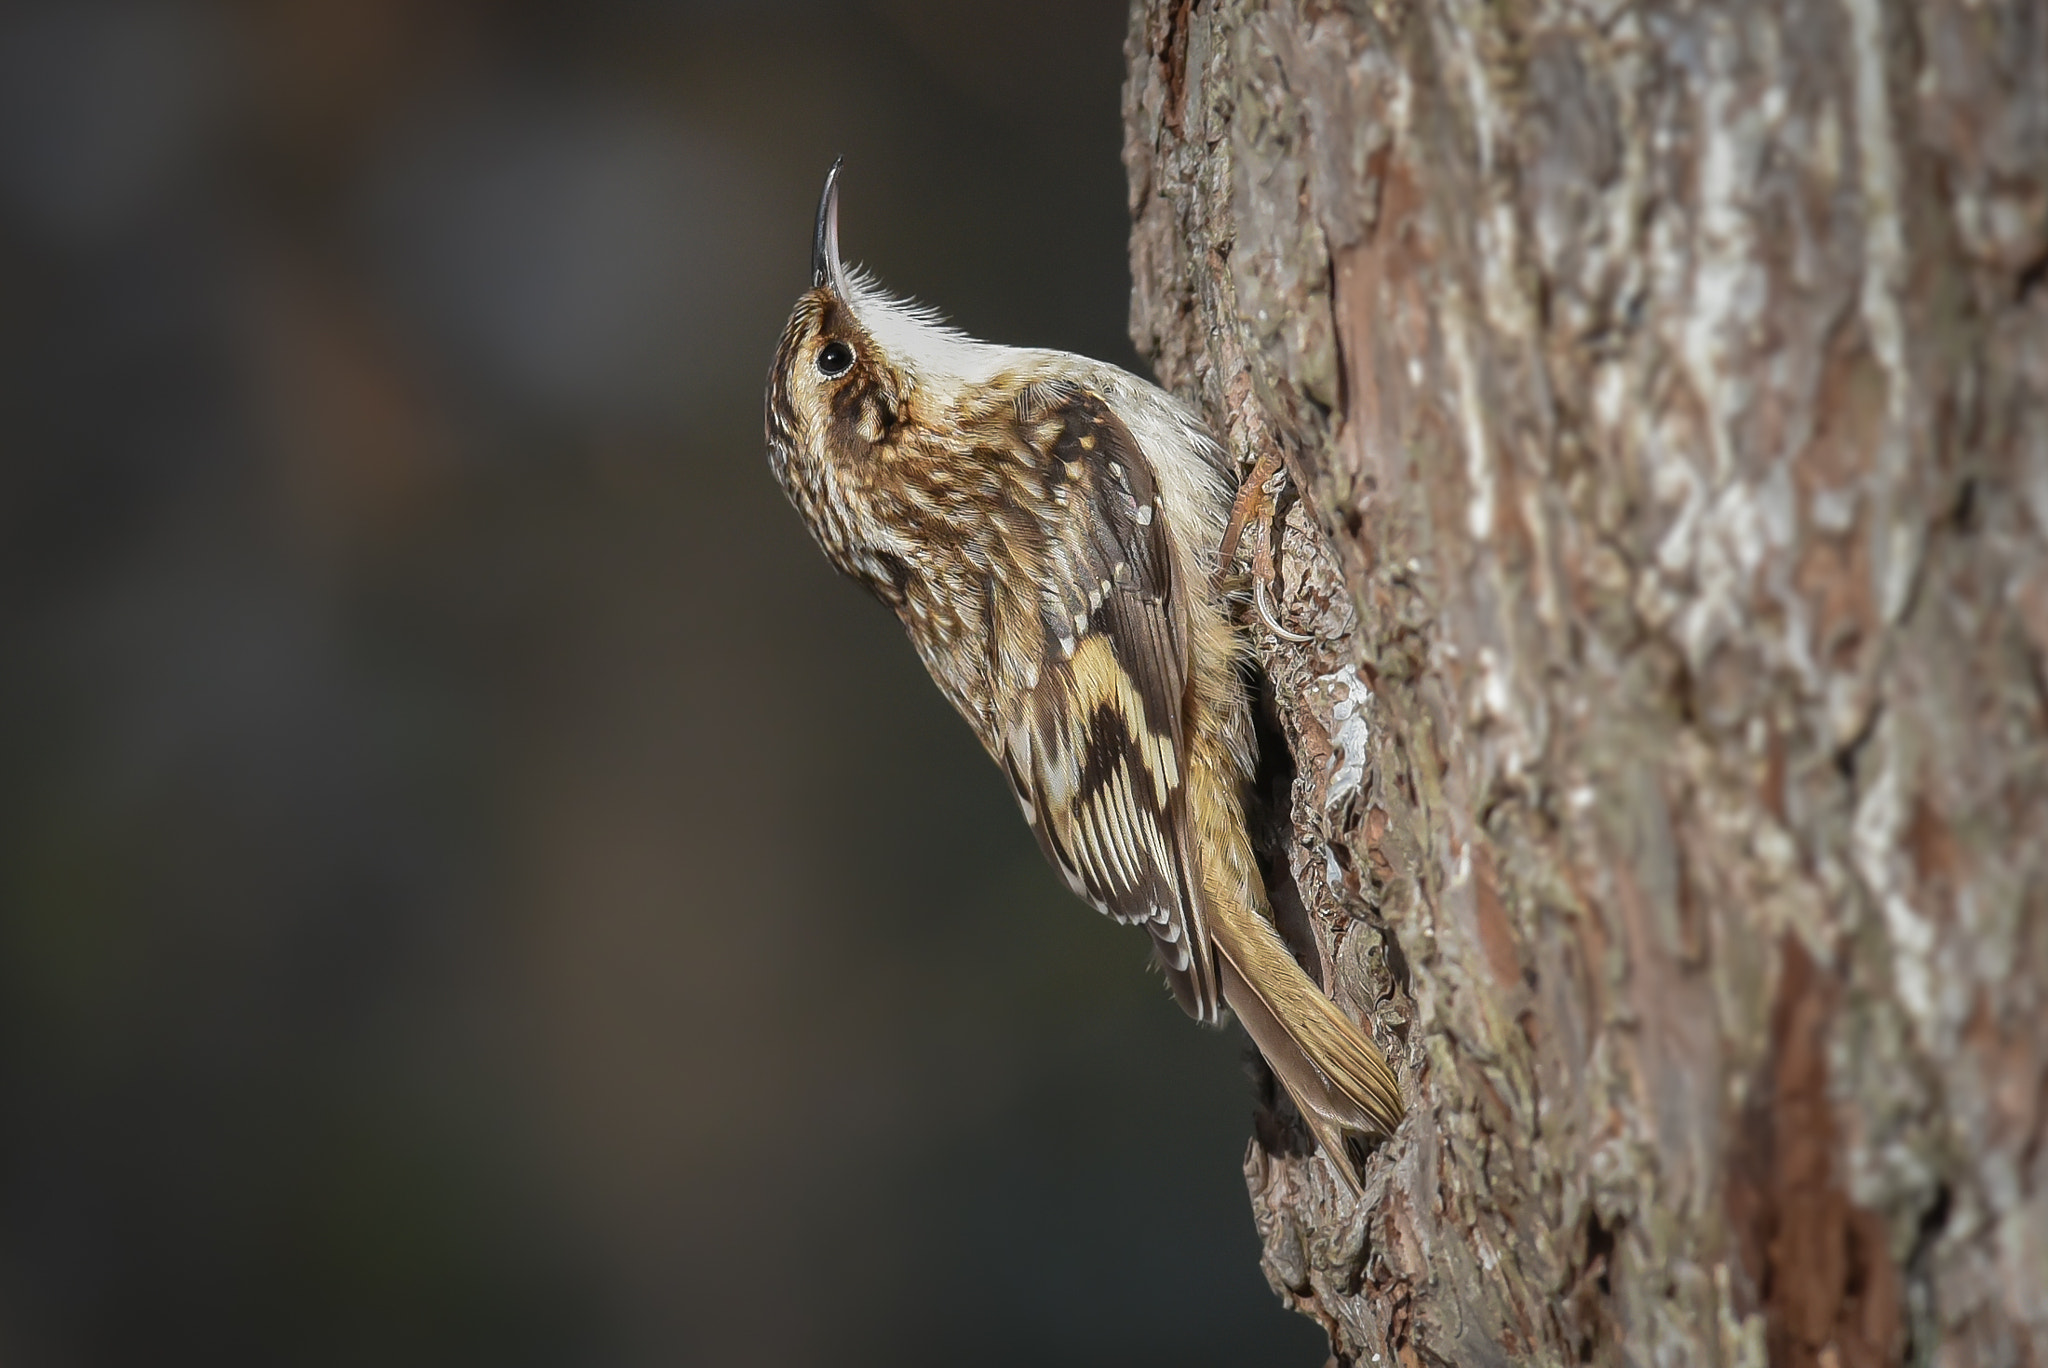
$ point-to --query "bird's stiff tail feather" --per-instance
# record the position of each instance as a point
(1337, 1078)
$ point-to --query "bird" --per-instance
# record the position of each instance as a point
(1047, 527)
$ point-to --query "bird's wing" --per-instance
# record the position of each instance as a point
(1094, 745)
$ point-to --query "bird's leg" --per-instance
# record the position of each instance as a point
(1265, 571)
(1250, 495)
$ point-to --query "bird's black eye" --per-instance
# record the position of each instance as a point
(834, 360)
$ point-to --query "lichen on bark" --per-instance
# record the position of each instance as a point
(1665, 388)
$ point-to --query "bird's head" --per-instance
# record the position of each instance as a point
(855, 364)
(833, 392)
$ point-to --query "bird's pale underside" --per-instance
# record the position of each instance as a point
(1045, 526)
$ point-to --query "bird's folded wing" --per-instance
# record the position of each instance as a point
(1095, 747)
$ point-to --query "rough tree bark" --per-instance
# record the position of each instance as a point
(1669, 383)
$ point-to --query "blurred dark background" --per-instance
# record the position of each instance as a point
(474, 887)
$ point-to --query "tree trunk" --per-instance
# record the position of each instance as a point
(1669, 385)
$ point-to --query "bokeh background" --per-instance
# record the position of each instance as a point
(474, 888)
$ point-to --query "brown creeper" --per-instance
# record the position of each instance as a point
(1044, 526)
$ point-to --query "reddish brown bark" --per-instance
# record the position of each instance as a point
(1667, 388)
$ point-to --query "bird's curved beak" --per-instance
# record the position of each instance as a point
(825, 268)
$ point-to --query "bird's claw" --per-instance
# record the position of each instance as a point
(1250, 495)
(1266, 614)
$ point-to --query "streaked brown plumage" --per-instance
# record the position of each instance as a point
(1045, 526)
